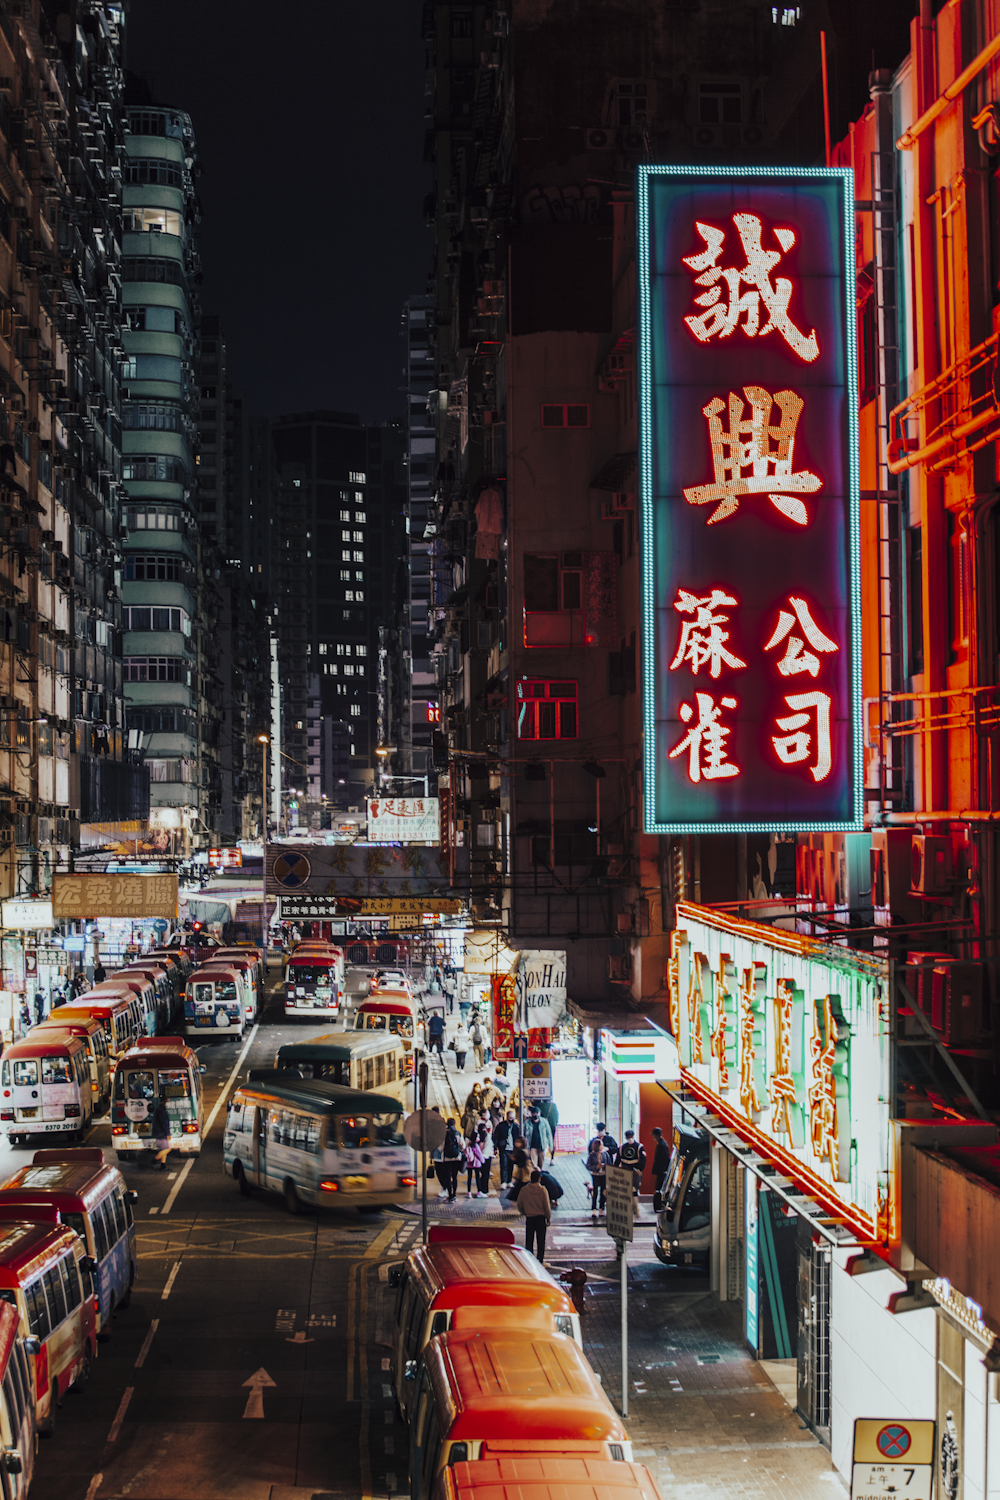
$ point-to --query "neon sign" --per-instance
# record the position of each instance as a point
(748, 475)
(799, 1048)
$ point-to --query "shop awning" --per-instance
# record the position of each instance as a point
(822, 1217)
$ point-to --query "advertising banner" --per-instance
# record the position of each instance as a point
(403, 820)
(357, 871)
(541, 994)
(134, 896)
(503, 997)
(749, 493)
(25, 915)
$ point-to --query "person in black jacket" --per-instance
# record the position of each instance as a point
(452, 1157)
(607, 1139)
(503, 1144)
(633, 1154)
(661, 1159)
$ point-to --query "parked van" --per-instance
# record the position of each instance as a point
(135, 992)
(479, 1394)
(91, 1198)
(116, 1014)
(390, 1010)
(17, 1405)
(255, 956)
(46, 1273)
(316, 1143)
(247, 970)
(90, 1030)
(214, 1003)
(45, 1086)
(541, 1475)
(157, 1066)
(437, 1279)
(684, 1205)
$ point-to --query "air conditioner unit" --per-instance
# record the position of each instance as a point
(625, 922)
(931, 871)
(957, 1003)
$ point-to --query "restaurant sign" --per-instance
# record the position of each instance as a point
(133, 896)
(787, 1043)
(749, 487)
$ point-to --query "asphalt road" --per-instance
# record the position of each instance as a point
(251, 1362)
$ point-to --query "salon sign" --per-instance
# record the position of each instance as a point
(789, 1044)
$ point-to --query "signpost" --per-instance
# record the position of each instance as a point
(424, 1131)
(619, 1225)
(892, 1459)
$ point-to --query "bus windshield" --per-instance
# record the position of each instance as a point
(363, 1132)
(318, 973)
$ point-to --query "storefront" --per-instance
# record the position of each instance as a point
(786, 1072)
(634, 1066)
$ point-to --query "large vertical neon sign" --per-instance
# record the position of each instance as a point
(748, 469)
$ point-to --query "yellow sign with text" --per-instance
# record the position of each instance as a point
(133, 896)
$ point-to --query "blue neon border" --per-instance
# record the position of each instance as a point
(650, 825)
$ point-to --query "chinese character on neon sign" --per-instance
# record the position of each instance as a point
(723, 311)
(744, 461)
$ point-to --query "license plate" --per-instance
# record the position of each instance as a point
(143, 1128)
(27, 1114)
(203, 1021)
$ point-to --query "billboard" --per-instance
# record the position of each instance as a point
(134, 896)
(749, 491)
(788, 1044)
(403, 820)
(357, 873)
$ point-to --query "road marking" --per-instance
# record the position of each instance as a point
(386, 1237)
(181, 1179)
(300, 1338)
(146, 1343)
(255, 1401)
(154, 1209)
(170, 1281)
(95, 1485)
(171, 1176)
(351, 1322)
(321, 1320)
(285, 1321)
(225, 1090)
(120, 1414)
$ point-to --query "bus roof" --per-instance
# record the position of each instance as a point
(314, 956)
(118, 984)
(104, 1004)
(545, 1476)
(316, 1095)
(161, 1051)
(45, 1041)
(60, 1180)
(83, 1024)
(380, 1005)
(501, 1274)
(518, 1388)
(338, 1046)
(208, 976)
(27, 1247)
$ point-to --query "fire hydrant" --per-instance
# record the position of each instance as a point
(576, 1280)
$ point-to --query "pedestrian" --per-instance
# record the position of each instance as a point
(452, 1157)
(79, 984)
(25, 1018)
(159, 1129)
(100, 973)
(607, 1139)
(484, 1140)
(633, 1154)
(474, 1110)
(461, 1047)
(473, 1165)
(39, 1007)
(478, 1040)
(520, 1174)
(533, 1202)
(597, 1164)
(661, 1159)
(538, 1134)
(503, 1142)
(435, 1031)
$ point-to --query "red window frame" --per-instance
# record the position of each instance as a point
(551, 422)
(547, 709)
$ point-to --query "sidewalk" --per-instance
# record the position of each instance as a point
(703, 1415)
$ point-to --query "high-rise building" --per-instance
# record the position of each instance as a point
(336, 542)
(416, 685)
(171, 672)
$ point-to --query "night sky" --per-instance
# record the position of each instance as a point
(309, 122)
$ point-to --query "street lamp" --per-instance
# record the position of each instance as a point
(263, 742)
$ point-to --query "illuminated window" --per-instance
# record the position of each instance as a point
(359, 595)
(345, 575)
(360, 517)
(322, 648)
(359, 557)
(566, 416)
(349, 669)
(546, 710)
(343, 650)
(359, 576)
(349, 596)
(355, 710)
(361, 650)
(159, 220)
(359, 536)
(345, 555)
(345, 515)
(345, 535)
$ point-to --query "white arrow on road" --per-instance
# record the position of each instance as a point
(299, 1338)
(255, 1400)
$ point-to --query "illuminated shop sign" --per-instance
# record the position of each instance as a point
(642, 1056)
(748, 471)
(788, 1044)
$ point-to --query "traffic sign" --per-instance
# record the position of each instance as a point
(619, 1203)
(537, 1080)
(893, 1459)
(434, 1130)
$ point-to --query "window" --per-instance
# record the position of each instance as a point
(345, 555)
(153, 268)
(461, 25)
(345, 515)
(141, 617)
(71, 1281)
(157, 669)
(355, 710)
(154, 466)
(345, 536)
(159, 220)
(56, 1294)
(38, 1309)
(343, 650)
(165, 173)
(359, 536)
(345, 575)
(349, 595)
(553, 581)
(349, 669)
(361, 650)
(359, 557)
(164, 720)
(566, 416)
(152, 518)
(360, 518)
(165, 567)
(152, 417)
(720, 103)
(546, 710)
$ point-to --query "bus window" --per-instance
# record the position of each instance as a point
(379, 1071)
(8, 1411)
(695, 1212)
(55, 1291)
(100, 1233)
(5, 1075)
(390, 1068)
(71, 1282)
(117, 1207)
(388, 1130)
(75, 1222)
(142, 1084)
(38, 1309)
(25, 1073)
(354, 1132)
(369, 1082)
(175, 1083)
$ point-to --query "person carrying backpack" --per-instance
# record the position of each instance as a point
(597, 1164)
(478, 1041)
(633, 1154)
